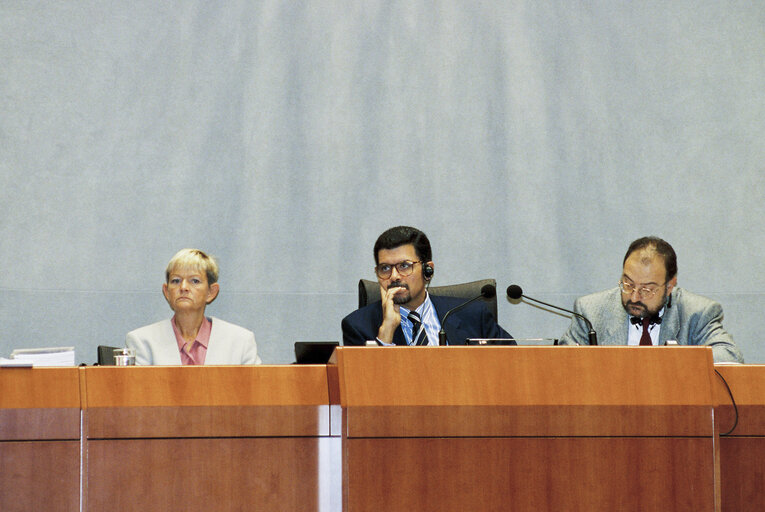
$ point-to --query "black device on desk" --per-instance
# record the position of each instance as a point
(314, 352)
(106, 355)
(490, 341)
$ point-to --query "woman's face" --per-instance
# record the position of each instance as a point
(187, 290)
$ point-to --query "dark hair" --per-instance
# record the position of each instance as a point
(404, 235)
(661, 247)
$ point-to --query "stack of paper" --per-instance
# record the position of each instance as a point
(14, 363)
(52, 356)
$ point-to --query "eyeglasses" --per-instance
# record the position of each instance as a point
(404, 268)
(644, 292)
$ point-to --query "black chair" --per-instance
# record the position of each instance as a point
(106, 355)
(369, 291)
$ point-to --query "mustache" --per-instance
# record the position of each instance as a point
(398, 284)
(630, 303)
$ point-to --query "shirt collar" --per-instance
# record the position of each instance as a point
(203, 335)
(426, 304)
(656, 319)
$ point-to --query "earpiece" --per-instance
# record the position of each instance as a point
(427, 272)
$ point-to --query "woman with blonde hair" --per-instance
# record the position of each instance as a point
(190, 337)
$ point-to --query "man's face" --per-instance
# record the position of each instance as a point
(646, 272)
(412, 287)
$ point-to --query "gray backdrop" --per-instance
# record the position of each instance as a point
(532, 141)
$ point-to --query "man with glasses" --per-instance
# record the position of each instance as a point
(408, 314)
(648, 308)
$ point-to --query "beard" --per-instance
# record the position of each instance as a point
(640, 310)
(400, 298)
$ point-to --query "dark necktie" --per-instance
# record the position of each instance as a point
(419, 336)
(645, 338)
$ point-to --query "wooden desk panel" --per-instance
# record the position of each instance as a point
(268, 474)
(443, 376)
(527, 428)
(223, 401)
(525, 391)
(39, 475)
(39, 403)
(226, 438)
(39, 387)
(530, 474)
(528, 420)
(208, 421)
(742, 454)
(39, 439)
(152, 386)
(747, 383)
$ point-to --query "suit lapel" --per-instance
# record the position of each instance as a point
(169, 345)
(616, 331)
(213, 355)
(670, 323)
(452, 328)
(398, 336)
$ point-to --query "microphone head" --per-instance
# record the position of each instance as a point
(514, 291)
(488, 291)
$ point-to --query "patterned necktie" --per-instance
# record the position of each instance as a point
(645, 338)
(419, 336)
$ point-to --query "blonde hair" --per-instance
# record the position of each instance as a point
(196, 259)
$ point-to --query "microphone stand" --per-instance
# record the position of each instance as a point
(442, 332)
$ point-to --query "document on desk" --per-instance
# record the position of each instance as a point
(14, 363)
(51, 356)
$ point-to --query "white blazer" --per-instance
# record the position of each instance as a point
(155, 344)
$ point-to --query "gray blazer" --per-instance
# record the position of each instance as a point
(690, 320)
(155, 344)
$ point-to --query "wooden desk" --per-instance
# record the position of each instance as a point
(210, 438)
(526, 428)
(453, 428)
(742, 453)
(39, 439)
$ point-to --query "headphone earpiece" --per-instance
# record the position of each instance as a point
(427, 272)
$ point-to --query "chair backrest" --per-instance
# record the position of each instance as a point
(369, 291)
(106, 355)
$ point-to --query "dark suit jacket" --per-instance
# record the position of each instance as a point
(472, 321)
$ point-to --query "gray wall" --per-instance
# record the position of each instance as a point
(532, 141)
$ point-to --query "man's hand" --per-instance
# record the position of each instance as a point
(391, 314)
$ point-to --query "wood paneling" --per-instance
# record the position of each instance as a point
(221, 401)
(529, 420)
(39, 403)
(39, 475)
(226, 438)
(208, 421)
(39, 387)
(28, 424)
(265, 474)
(456, 428)
(39, 439)
(442, 376)
(528, 428)
(194, 386)
(742, 468)
(530, 474)
(742, 454)
(747, 383)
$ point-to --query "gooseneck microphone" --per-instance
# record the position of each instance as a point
(515, 292)
(488, 291)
